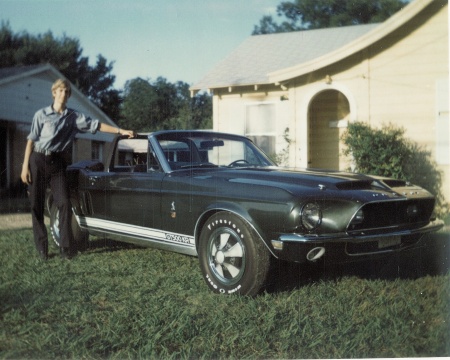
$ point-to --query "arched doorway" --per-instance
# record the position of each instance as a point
(327, 115)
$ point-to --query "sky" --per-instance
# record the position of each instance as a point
(180, 40)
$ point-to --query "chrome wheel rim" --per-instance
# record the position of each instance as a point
(226, 255)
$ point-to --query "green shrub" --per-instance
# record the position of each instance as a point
(386, 152)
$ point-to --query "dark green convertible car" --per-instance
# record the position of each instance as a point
(219, 197)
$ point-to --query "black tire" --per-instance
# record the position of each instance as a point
(80, 237)
(232, 258)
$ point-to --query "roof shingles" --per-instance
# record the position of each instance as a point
(252, 61)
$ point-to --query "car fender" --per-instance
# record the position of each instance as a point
(235, 210)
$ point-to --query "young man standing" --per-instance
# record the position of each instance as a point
(52, 132)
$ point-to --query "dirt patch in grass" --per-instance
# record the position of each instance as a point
(17, 221)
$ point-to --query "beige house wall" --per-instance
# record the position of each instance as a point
(402, 80)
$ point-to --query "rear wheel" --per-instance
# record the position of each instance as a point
(232, 258)
(80, 237)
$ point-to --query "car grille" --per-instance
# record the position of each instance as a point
(390, 215)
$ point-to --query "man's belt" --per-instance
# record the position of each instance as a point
(46, 152)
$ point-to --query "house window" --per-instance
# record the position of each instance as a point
(261, 126)
(442, 124)
(97, 150)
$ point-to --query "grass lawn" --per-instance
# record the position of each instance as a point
(117, 301)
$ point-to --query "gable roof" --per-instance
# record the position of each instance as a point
(274, 58)
(259, 55)
(9, 73)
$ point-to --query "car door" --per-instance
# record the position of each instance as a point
(134, 198)
(133, 186)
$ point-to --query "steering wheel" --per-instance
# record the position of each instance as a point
(236, 162)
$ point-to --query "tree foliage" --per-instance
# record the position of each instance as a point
(386, 152)
(315, 14)
(65, 54)
(157, 105)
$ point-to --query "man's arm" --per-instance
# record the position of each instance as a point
(26, 174)
(113, 130)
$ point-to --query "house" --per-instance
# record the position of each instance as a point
(295, 93)
(24, 90)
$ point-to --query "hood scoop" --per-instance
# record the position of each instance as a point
(356, 185)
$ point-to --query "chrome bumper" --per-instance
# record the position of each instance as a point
(299, 247)
(344, 237)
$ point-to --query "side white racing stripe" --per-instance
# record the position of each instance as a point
(135, 231)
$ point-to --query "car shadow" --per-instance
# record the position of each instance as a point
(103, 244)
(431, 258)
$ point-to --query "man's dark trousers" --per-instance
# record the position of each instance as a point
(49, 170)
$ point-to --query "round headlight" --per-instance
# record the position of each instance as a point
(311, 216)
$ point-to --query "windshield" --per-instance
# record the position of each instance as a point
(184, 150)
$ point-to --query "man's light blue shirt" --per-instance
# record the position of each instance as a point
(55, 132)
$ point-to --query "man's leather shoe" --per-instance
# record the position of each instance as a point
(43, 255)
(66, 253)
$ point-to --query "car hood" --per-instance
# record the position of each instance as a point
(312, 182)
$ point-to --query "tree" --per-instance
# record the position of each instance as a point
(162, 105)
(316, 14)
(139, 105)
(65, 54)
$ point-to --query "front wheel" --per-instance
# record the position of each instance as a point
(232, 258)
(80, 237)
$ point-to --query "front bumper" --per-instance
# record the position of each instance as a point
(341, 246)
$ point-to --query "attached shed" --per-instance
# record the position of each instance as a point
(294, 93)
(24, 90)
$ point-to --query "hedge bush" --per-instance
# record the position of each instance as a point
(386, 152)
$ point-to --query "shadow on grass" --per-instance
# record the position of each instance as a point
(431, 258)
(106, 245)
